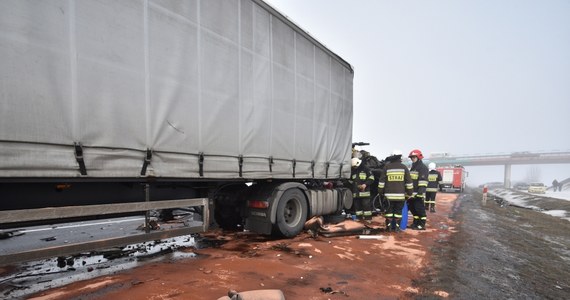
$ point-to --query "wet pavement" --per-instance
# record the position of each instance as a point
(502, 252)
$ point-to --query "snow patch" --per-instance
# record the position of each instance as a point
(518, 199)
(563, 195)
(556, 213)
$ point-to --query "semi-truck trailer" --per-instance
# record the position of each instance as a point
(228, 100)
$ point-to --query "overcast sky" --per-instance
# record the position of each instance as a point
(463, 77)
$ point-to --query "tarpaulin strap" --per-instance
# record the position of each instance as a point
(313, 168)
(240, 162)
(340, 174)
(270, 164)
(327, 170)
(294, 165)
(79, 158)
(146, 161)
(201, 164)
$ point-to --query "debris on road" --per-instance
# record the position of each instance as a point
(371, 237)
(254, 295)
(10, 233)
(152, 224)
(316, 226)
(329, 290)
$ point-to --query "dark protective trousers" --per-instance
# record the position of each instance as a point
(418, 209)
(363, 207)
(394, 214)
(430, 199)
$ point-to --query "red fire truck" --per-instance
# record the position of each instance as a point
(453, 178)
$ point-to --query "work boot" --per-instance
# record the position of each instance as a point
(397, 229)
(432, 208)
(396, 226)
(414, 224)
(421, 225)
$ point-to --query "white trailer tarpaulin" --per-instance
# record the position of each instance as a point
(214, 89)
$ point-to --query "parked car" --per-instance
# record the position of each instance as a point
(522, 186)
(537, 187)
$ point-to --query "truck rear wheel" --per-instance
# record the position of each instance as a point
(291, 213)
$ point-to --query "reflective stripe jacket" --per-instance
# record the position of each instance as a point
(419, 173)
(395, 182)
(434, 177)
(359, 176)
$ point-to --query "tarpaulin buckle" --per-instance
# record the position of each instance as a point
(146, 161)
(240, 162)
(294, 165)
(313, 168)
(79, 158)
(201, 163)
(270, 164)
(327, 169)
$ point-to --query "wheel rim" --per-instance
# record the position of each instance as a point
(291, 212)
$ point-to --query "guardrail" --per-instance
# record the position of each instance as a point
(54, 213)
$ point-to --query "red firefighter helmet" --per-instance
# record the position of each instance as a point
(417, 153)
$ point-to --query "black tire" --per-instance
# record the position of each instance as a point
(228, 217)
(227, 212)
(291, 213)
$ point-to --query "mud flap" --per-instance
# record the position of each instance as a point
(258, 224)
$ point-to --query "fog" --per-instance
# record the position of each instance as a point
(519, 173)
(462, 77)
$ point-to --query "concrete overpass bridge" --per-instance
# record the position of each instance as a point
(505, 159)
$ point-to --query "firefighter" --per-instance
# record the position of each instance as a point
(419, 173)
(361, 178)
(396, 186)
(434, 177)
(376, 167)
